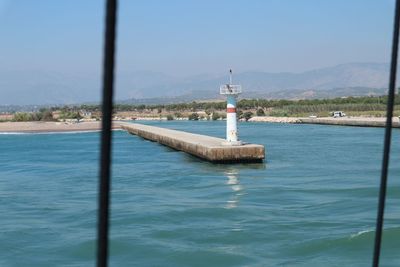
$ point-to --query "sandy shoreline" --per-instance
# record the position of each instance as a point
(38, 127)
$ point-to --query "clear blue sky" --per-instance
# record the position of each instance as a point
(181, 37)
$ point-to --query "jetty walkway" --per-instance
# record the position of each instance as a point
(202, 146)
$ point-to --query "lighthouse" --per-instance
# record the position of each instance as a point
(231, 91)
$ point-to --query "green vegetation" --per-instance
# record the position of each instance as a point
(352, 106)
(246, 115)
(216, 116)
(321, 107)
(178, 115)
(260, 112)
(194, 117)
(264, 107)
(23, 116)
(70, 114)
(42, 115)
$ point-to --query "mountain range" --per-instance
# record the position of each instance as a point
(39, 87)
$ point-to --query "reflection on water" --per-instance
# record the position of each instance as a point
(232, 173)
(234, 183)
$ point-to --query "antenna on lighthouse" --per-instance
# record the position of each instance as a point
(231, 91)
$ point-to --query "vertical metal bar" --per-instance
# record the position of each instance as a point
(106, 134)
(388, 137)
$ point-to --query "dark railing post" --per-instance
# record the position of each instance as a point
(388, 137)
(106, 134)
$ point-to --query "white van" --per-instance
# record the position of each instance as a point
(338, 114)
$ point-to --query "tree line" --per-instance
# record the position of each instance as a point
(367, 103)
(371, 105)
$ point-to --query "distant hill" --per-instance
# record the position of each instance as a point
(318, 94)
(34, 87)
(284, 94)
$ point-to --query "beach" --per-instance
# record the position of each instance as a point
(39, 126)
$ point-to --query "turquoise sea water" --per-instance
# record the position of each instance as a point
(313, 202)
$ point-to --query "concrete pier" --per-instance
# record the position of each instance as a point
(202, 146)
(352, 121)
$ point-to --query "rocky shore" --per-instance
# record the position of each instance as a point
(344, 121)
(276, 119)
(353, 121)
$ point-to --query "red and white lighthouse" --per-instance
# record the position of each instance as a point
(231, 91)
